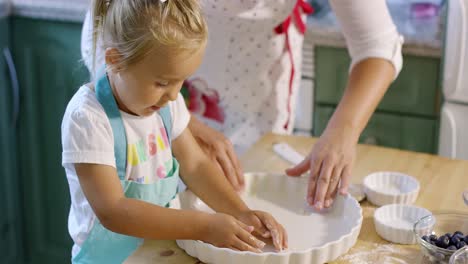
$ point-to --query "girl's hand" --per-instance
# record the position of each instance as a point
(266, 226)
(220, 150)
(330, 163)
(227, 232)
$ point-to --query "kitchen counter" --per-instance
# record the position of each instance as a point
(330, 35)
(442, 182)
(325, 32)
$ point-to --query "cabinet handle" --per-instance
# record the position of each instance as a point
(14, 84)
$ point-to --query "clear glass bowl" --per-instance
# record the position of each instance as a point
(460, 256)
(439, 224)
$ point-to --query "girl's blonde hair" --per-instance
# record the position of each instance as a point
(134, 27)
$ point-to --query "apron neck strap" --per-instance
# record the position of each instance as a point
(106, 98)
(166, 117)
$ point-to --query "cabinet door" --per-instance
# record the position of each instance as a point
(389, 130)
(415, 92)
(10, 218)
(49, 69)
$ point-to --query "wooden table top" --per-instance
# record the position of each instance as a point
(442, 183)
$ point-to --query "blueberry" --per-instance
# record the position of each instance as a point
(452, 247)
(443, 242)
(461, 244)
(454, 240)
(458, 233)
(425, 238)
(466, 239)
(433, 237)
(432, 242)
(448, 235)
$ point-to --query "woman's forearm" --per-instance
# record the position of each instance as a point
(207, 182)
(204, 178)
(367, 84)
(194, 123)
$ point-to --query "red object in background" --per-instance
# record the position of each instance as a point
(203, 101)
(301, 6)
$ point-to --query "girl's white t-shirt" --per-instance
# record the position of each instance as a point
(87, 137)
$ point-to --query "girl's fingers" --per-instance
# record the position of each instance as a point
(243, 246)
(277, 239)
(276, 236)
(261, 228)
(251, 240)
(247, 228)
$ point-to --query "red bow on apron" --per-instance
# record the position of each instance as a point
(301, 6)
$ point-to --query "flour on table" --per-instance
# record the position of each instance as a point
(382, 254)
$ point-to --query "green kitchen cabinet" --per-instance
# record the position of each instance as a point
(10, 213)
(391, 130)
(406, 118)
(416, 91)
(47, 55)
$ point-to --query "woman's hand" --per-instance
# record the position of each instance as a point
(220, 150)
(330, 163)
(225, 231)
(266, 226)
(332, 158)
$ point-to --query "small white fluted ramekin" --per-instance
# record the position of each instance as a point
(394, 222)
(387, 187)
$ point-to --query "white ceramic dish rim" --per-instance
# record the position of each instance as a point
(355, 228)
(370, 187)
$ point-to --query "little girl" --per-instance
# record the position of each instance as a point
(122, 133)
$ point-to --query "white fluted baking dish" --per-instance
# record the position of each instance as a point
(313, 237)
(389, 187)
(394, 222)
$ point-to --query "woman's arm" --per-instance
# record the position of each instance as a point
(369, 31)
(220, 150)
(375, 49)
(202, 177)
(367, 84)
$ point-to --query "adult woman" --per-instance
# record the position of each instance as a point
(250, 76)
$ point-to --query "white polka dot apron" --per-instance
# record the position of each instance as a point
(249, 79)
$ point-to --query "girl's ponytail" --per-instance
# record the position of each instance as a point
(100, 8)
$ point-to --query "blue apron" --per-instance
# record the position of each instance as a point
(102, 245)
